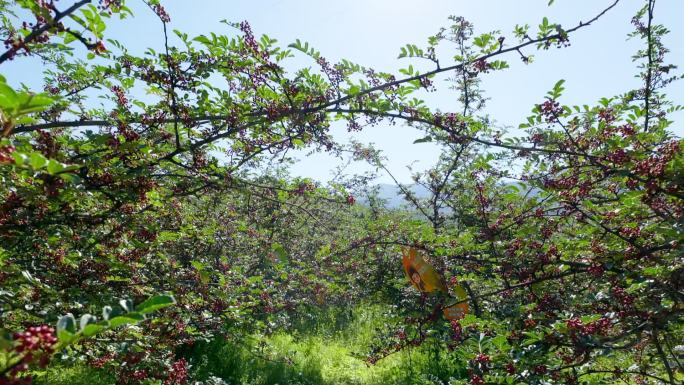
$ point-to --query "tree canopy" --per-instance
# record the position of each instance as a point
(143, 210)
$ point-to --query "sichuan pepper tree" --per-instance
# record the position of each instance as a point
(115, 199)
(102, 203)
(576, 267)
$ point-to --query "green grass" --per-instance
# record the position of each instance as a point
(78, 374)
(325, 349)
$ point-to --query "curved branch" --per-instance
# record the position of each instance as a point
(337, 101)
(36, 33)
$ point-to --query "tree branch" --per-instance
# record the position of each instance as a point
(36, 33)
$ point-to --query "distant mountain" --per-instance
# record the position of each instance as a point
(391, 194)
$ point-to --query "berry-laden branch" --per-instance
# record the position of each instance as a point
(165, 19)
(38, 32)
(648, 87)
(497, 144)
(338, 101)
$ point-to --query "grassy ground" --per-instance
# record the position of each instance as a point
(323, 350)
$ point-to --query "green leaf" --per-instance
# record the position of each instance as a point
(353, 90)
(19, 158)
(498, 65)
(66, 328)
(85, 320)
(53, 167)
(30, 102)
(305, 48)
(557, 89)
(482, 40)
(155, 303)
(37, 161)
(78, 20)
(126, 319)
(423, 140)
(8, 98)
(545, 22)
(280, 251)
(203, 39)
(254, 279)
(411, 50)
(68, 38)
(92, 329)
(501, 342)
(199, 266)
(71, 178)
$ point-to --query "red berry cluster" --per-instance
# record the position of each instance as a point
(482, 66)
(178, 373)
(6, 154)
(121, 98)
(550, 110)
(36, 339)
(145, 235)
(620, 294)
(161, 12)
(102, 361)
(47, 144)
(457, 330)
(618, 156)
(606, 115)
(333, 72)
(536, 138)
(106, 4)
(304, 187)
(482, 359)
(35, 344)
(350, 200)
(16, 42)
(655, 165)
(540, 369)
(576, 326)
(596, 270)
(476, 380)
(140, 375)
(510, 368)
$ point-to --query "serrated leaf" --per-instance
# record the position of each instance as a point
(126, 319)
(19, 158)
(92, 329)
(53, 167)
(30, 102)
(426, 139)
(8, 97)
(280, 251)
(155, 303)
(37, 160)
(202, 39)
(72, 178)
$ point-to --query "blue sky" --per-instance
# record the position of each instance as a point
(370, 33)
